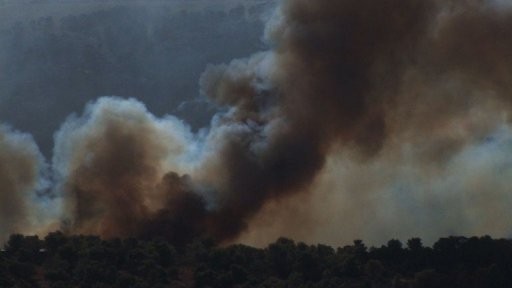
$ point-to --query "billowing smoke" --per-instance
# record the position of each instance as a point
(21, 166)
(388, 118)
(418, 94)
(109, 163)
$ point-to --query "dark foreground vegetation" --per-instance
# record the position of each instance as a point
(87, 261)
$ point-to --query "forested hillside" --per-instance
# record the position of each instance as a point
(88, 261)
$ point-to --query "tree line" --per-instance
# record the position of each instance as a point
(60, 260)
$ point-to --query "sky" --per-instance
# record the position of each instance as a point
(58, 55)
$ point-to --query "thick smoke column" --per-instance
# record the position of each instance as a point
(421, 88)
(365, 98)
(20, 168)
(110, 162)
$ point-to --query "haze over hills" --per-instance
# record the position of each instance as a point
(12, 11)
(57, 55)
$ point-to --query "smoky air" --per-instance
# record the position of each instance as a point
(347, 119)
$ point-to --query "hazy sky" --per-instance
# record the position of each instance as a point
(57, 55)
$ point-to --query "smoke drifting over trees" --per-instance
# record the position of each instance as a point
(400, 108)
(20, 167)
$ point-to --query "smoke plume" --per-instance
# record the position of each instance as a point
(381, 118)
(20, 168)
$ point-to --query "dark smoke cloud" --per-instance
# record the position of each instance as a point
(386, 103)
(340, 63)
(417, 89)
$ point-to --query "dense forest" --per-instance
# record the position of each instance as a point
(59, 260)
